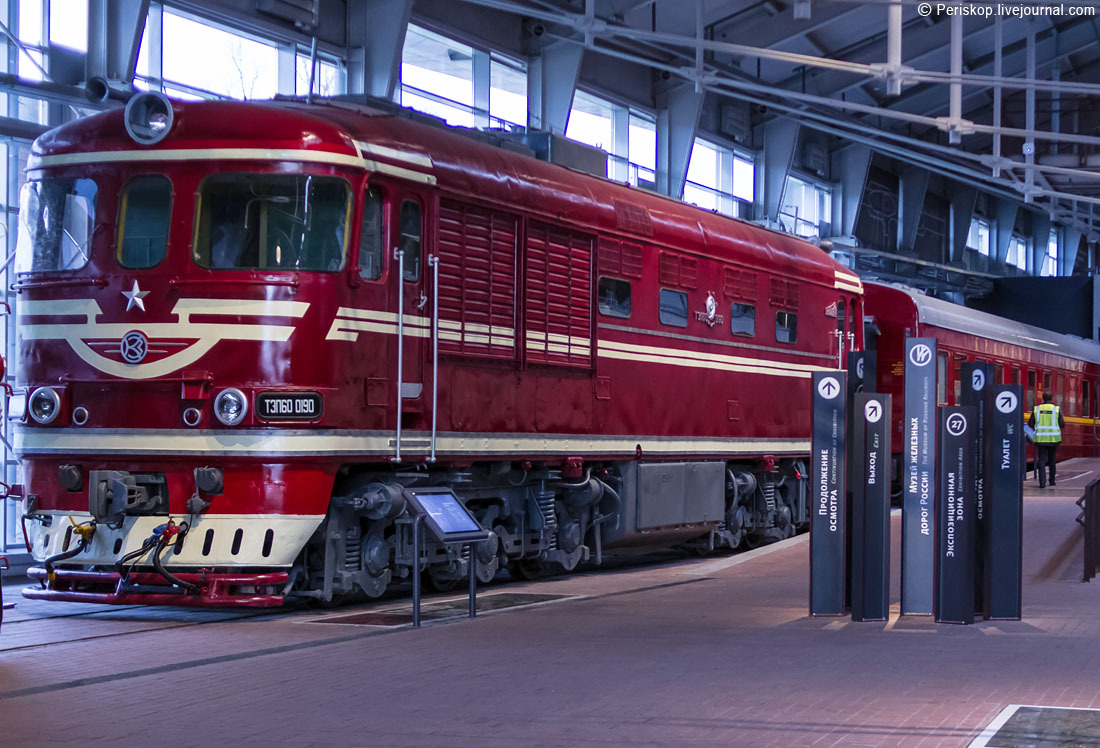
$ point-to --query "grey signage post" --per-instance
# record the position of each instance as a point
(871, 508)
(828, 535)
(857, 382)
(977, 391)
(955, 515)
(1004, 508)
(918, 478)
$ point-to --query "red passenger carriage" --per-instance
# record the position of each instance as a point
(1039, 360)
(245, 327)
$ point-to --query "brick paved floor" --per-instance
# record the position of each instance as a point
(700, 652)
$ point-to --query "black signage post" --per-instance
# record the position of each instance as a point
(955, 515)
(827, 470)
(857, 382)
(871, 508)
(1004, 516)
(977, 390)
(918, 459)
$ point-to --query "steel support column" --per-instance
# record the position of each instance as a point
(376, 36)
(483, 71)
(963, 201)
(852, 164)
(1006, 222)
(1067, 250)
(780, 138)
(551, 83)
(115, 28)
(678, 112)
(912, 188)
(1040, 239)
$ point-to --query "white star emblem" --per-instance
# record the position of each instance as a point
(134, 297)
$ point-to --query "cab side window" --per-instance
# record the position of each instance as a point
(410, 239)
(370, 237)
(143, 214)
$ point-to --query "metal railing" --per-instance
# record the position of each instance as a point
(1089, 518)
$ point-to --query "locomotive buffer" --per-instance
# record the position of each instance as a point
(450, 523)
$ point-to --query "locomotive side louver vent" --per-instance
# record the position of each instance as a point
(558, 311)
(739, 284)
(679, 272)
(621, 259)
(477, 281)
(784, 294)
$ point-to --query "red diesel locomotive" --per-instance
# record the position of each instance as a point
(1037, 359)
(245, 327)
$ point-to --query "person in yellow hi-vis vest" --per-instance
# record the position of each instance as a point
(1048, 424)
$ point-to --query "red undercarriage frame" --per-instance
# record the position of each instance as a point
(143, 588)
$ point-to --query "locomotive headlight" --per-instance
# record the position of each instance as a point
(149, 117)
(44, 405)
(230, 406)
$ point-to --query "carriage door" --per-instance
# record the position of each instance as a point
(411, 295)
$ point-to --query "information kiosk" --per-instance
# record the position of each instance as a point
(449, 522)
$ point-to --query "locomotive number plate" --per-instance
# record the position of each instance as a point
(289, 406)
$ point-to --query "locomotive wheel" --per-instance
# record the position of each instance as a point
(434, 580)
(528, 569)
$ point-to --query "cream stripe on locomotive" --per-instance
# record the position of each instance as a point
(289, 533)
(847, 282)
(204, 335)
(349, 322)
(288, 442)
(682, 357)
(232, 154)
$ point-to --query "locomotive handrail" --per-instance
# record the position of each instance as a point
(433, 262)
(99, 281)
(291, 282)
(399, 256)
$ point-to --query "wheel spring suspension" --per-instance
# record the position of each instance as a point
(353, 549)
(768, 489)
(545, 501)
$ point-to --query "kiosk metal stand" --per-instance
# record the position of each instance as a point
(450, 523)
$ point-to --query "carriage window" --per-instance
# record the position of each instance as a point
(272, 222)
(957, 377)
(1015, 375)
(1031, 389)
(370, 237)
(941, 378)
(614, 297)
(1086, 411)
(410, 239)
(56, 219)
(1072, 393)
(743, 320)
(143, 214)
(786, 327)
(673, 309)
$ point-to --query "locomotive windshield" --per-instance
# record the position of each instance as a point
(56, 218)
(272, 222)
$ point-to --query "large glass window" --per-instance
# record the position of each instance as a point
(230, 64)
(1050, 257)
(56, 219)
(507, 93)
(370, 237)
(718, 179)
(642, 147)
(673, 308)
(143, 215)
(437, 76)
(272, 222)
(806, 207)
(614, 297)
(978, 238)
(1017, 252)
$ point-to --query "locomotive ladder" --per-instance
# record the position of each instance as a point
(433, 262)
